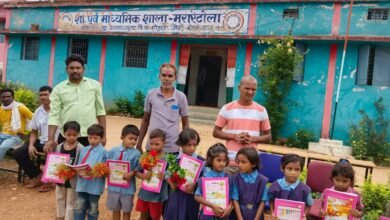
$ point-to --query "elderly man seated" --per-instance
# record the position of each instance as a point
(13, 117)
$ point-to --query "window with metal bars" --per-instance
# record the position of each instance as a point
(2, 26)
(136, 54)
(30, 48)
(80, 47)
(291, 13)
(378, 14)
(373, 66)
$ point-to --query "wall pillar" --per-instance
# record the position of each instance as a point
(231, 72)
(183, 66)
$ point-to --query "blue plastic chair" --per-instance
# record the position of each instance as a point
(270, 166)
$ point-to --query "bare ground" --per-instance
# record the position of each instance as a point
(18, 202)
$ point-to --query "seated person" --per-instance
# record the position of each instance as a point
(13, 117)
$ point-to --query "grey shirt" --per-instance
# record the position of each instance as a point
(165, 114)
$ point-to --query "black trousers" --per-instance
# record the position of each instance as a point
(23, 159)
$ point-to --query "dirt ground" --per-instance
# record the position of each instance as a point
(19, 203)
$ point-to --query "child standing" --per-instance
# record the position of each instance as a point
(249, 186)
(89, 190)
(65, 193)
(150, 204)
(182, 205)
(343, 177)
(217, 160)
(120, 198)
(290, 187)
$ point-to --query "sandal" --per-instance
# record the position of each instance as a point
(36, 182)
(34, 185)
(45, 187)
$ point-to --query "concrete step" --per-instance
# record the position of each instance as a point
(332, 150)
(201, 121)
(205, 116)
(201, 109)
(331, 142)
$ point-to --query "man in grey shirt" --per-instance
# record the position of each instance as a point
(164, 107)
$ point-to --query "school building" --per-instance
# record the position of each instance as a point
(213, 44)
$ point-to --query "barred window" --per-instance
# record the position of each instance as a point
(378, 14)
(136, 54)
(80, 47)
(30, 48)
(2, 26)
(291, 13)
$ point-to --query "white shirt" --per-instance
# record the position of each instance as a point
(39, 123)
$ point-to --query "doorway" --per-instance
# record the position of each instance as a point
(208, 81)
(205, 82)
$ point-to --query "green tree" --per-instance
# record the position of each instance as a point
(277, 67)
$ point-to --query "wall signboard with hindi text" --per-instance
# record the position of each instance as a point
(213, 21)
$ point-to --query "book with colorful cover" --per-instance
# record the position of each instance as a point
(154, 184)
(118, 168)
(192, 167)
(338, 204)
(216, 191)
(289, 210)
(83, 170)
(52, 162)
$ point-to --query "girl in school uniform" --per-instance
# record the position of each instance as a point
(182, 205)
(217, 160)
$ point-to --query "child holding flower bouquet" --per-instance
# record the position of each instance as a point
(65, 193)
(182, 204)
(120, 198)
(88, 188)
(150, 204)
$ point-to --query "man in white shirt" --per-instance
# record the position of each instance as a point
(38, 139)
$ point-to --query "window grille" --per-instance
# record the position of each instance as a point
(373, 66)
(80, 47)
(291, 13)
(136, 54)
(378, 14)
(2, 26)
(30, 48)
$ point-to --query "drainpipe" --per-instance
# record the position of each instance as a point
(342, 68)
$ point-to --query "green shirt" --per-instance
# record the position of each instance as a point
(81, 102)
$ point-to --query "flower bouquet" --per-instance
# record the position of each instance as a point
(100, 170)
(177, 177)
(149, 159)
(64, 172)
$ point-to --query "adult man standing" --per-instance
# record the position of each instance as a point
(38, 138)
(13, 117)
(164, 106)
(246, 123)
(76, 99)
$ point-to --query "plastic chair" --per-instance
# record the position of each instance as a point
(270, 166)
(318, 179)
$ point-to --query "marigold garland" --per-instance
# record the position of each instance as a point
(64, 172)
(149, 159)
(100, 170)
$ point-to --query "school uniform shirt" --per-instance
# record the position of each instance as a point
(94, 186)
(284, 185)
(129, 154)
(249, 178)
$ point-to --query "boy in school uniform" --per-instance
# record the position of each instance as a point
(89, 189)
(120, 198)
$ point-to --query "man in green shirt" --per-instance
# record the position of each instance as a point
(76, 99)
